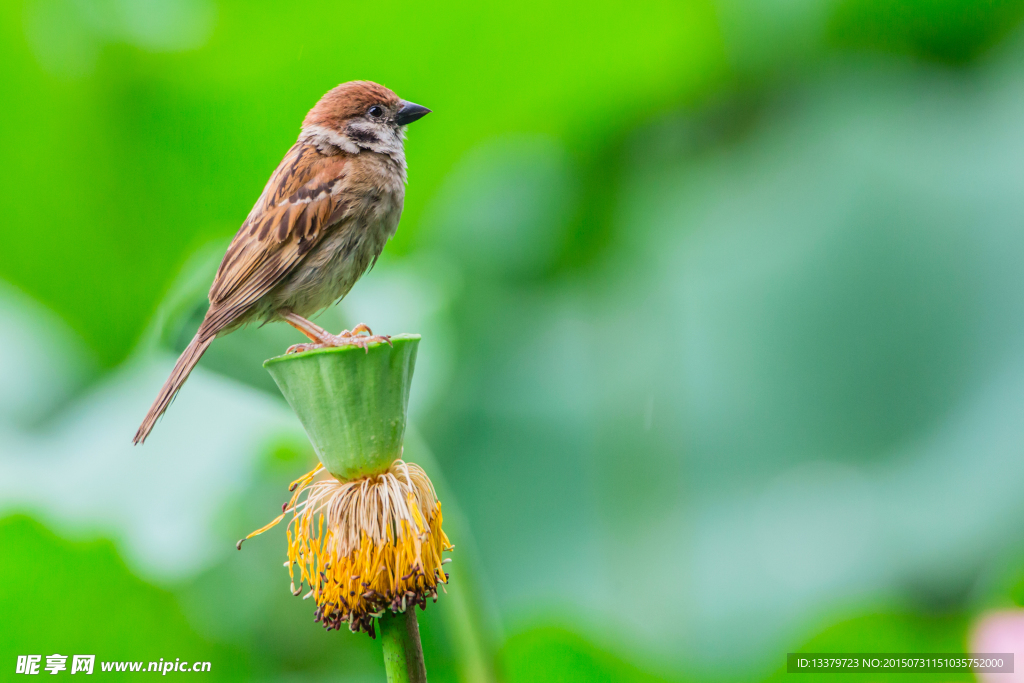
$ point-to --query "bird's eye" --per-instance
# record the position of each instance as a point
(376, 111)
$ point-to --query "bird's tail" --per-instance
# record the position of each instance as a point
(188, 359)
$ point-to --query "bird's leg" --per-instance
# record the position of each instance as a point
(321, 338)
(307, 327)
(354, 337)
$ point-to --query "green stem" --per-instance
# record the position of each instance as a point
(403, 654)
(468, 614)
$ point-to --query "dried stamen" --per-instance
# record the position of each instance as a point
(366, 545)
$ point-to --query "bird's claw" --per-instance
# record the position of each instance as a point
(355, 337)
(300, 348)
(364, 342)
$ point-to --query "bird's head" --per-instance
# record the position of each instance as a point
(361, 115)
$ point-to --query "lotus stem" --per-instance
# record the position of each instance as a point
(403, 653)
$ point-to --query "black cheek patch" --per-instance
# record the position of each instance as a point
(362, 136)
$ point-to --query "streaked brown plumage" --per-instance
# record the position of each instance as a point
(321, 222)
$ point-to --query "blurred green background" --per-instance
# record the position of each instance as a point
(723, 317)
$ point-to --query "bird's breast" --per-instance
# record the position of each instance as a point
(343, 255)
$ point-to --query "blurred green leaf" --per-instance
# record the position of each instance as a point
(953, 31)
(68, 597)
(887, 632)
(554, 654)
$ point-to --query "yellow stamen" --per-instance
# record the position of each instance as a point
(297, 486)
(366, 545)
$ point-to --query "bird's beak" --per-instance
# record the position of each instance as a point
(410, 112)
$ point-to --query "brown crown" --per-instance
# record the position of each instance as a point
(348, 100)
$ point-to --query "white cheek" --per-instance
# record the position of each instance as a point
(332, 137)
(388, 141)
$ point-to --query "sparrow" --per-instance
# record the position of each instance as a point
(320, 224)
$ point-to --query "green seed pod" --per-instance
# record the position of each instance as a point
(352, 402)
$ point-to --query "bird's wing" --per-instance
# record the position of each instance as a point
(296, 208)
